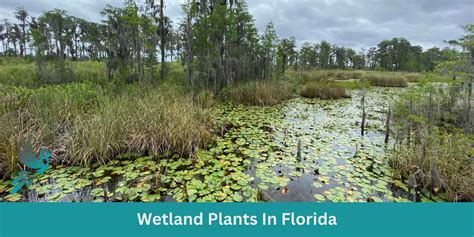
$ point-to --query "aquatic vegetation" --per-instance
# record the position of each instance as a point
(269, 92)
(444, 157)
(84, 124)
(413, 77)
(434, 141)
(324, 90)
(386, 80)
(321, 75)
(301, 149)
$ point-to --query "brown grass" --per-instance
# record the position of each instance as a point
(386, 80)
(263, 93)
(324, 90)
(85, 125)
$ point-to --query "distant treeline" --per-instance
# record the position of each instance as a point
(216, 41)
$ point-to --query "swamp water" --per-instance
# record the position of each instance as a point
(301, 150)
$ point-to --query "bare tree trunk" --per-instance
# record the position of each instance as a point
(387, 124)
(189, 52)
(162, 36)
(470, 88)
(364, 115)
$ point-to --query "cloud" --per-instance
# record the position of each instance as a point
(349, 23)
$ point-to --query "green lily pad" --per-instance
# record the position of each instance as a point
(319, 197)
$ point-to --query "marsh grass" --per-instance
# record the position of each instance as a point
(262, 93)
(318, 75)
(413, 77)
(84, 124)
(450, 154)
(433, 142)
(324, 90)
(386, 80)
(24, 73)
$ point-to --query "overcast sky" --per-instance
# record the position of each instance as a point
(349, 23)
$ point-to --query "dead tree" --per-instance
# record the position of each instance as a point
(364, 115)
(387, 125)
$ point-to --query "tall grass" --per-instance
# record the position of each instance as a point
(433, 140)
(449, 153)
(324, 90)
(386, 80)
(413, 77)
(84, 124)
(20, 72)
(317, 75)
(269, 92)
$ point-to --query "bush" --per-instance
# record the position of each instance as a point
(324, 90)
(269, 92)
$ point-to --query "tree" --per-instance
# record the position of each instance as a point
(124, 43)
(324, 55)
(340, 57)
(21, 14)
(286, 54)
(269, 41)
(162, 40)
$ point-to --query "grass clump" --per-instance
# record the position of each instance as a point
(412, 77)
(152, 123)
(262, 93)
(324, 90)
(347, 74)
(386, 80)
(84, 124)
(441, 164)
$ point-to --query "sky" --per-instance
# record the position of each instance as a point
(349, 23)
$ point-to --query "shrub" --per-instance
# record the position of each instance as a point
(269, 92)
(324, 90)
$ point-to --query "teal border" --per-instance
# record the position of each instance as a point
(120, 219)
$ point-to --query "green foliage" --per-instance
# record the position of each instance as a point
(324, 90)
(270, 92)
(449, 153)
(84, 124)
(434, 140)
(386, 80)
(23, 74)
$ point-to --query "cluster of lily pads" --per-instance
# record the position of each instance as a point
(299, 150)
